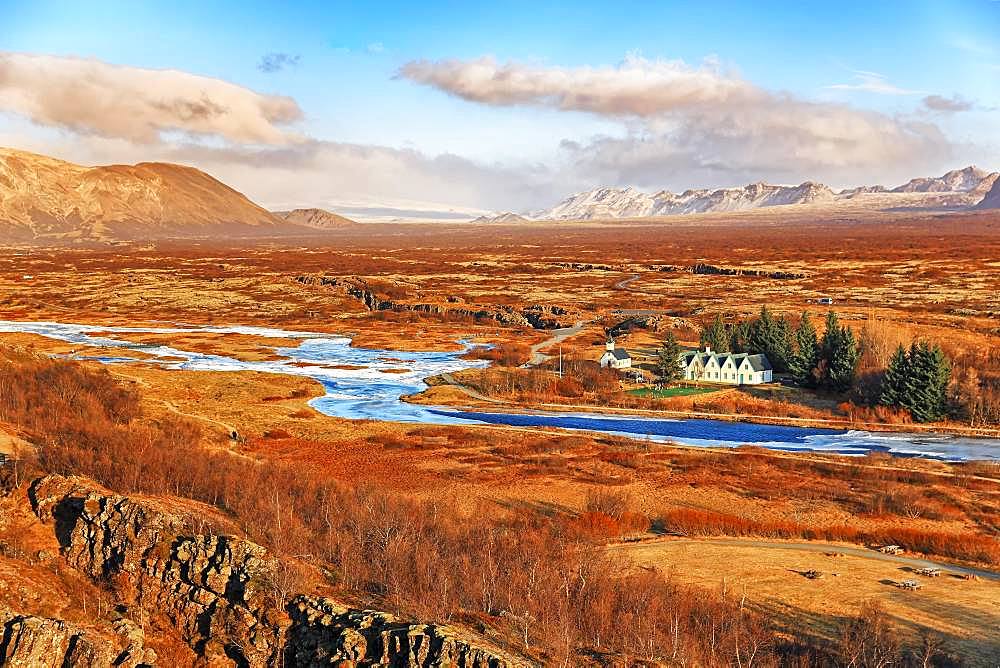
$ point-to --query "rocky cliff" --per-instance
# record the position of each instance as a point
(226, 596)
(38, 642)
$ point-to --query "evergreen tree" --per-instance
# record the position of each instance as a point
(895, 379)
(927, 386)
(762, 331)
(827, 348)
(806, 352)
(918, 380)
(739, 337)
(668, 362)
(844, 363)
(772, 337)
(838, 355)
(716, 336)
(783, 349)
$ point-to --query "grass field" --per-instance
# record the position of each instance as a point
(678, 391)
(965, 613)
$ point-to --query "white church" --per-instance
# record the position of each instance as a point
(615, 358)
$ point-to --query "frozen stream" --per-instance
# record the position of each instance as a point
(363, 383)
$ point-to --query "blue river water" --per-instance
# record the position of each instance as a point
(369, 384)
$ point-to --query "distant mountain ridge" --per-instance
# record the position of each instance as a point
(317, 219)
(965, 187)
(970, 179)
(506, 218)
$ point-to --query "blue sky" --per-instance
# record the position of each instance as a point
(881, 58)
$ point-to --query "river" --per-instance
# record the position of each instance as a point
(365, 383)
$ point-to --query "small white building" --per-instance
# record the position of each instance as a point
(615, 358)
(727, 368)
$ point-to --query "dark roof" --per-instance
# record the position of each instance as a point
(620, 354)
(759, 362)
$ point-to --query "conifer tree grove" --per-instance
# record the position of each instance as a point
(917, 380)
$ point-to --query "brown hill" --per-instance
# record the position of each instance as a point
(42, 199)
(317, 219)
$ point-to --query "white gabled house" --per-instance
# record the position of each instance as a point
(615, 358)
(727, 368)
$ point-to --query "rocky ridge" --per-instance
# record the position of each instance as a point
(223, 594)
(538, 316)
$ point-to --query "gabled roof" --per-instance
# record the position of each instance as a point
(757, 362)
(619, 354)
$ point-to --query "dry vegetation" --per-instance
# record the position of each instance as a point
(502, 528)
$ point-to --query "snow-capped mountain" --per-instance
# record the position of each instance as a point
(970, 179)
(958, 188)
(862, 190)
(632, 203)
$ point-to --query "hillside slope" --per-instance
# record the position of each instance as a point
(992, 199)
(317, 219)
(42, 198)
(230, 601)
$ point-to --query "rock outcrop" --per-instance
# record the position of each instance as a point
(538, 316)
(37, 642)
(225, 596)
(325, 633)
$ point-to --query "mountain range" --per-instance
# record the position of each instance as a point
(43, 199)
(956, 189)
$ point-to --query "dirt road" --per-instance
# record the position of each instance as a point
(558, 336)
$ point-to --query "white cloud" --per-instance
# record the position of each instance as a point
(636, 87)
(873, 82)
(697, 125)
(88, 96)
(375, 48)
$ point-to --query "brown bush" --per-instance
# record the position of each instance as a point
(538, 577)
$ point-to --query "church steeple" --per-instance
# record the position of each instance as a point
(610, 345)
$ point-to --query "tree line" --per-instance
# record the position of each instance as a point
(828, 362)
(916, 379)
